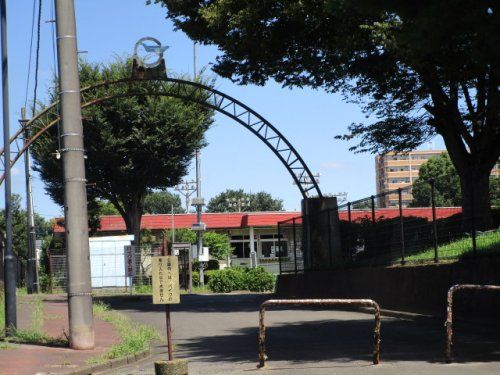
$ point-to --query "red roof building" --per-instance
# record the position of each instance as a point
(256, 231)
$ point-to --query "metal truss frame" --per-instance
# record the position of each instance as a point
(182, 89)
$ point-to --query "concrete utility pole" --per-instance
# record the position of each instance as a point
(9, 258)
(199, 200)
(32, 266)
(199, 205)
(81, 326)
(186, 188)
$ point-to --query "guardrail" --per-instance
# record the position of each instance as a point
(320, 302)
(449, 312)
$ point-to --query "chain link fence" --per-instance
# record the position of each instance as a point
(117, 267)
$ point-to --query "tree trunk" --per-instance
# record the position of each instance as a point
(476, 204)
(133, 217)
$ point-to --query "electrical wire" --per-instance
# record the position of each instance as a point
(37, 56)
(30, 55)
(52, 13)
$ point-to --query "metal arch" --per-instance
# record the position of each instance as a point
(191, 91)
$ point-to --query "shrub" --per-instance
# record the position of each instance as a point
(258, 280)
(226, 280)
(196, 278)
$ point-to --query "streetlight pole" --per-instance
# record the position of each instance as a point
(81, 326)
(9, 259)
(32, 267)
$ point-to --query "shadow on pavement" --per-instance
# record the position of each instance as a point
(343, 341)
(202, 303)
(301, 342)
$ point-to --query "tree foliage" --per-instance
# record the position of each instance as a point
(134, 144)
(418, 69)
(218, 243)
(446, 182)
(162, 202)
(19, 227)
(249, 202)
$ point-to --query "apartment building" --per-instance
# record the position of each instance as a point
(395, 171)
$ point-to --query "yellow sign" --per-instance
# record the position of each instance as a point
(165, 272)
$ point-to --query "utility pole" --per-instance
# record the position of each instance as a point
(32, 266)
(9, 259)
(186, 188)
(81, 325)
(199, 202)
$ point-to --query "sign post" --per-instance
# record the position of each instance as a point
(165, 272)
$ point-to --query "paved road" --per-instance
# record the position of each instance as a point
(218, 334)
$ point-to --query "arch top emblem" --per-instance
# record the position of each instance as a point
(149, 55)
(192, 91)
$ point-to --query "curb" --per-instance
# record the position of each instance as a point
(111, 364)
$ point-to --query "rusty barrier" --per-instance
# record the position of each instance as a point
(449, 312)
(318, 302)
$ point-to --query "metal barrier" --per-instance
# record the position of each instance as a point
(320, 302)
(449, 312)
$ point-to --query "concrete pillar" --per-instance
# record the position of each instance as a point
(253, 254)
(321, 233)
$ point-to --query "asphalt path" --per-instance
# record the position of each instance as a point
(218, 335)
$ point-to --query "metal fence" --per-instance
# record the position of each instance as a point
(291, 256)
(374, 232)
(110, 267)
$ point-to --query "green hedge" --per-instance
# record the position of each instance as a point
(206, 276)
(230, 279)
(258, 280)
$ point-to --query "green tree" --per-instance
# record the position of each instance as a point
(19, 227)
(218, 243)
(162, 202)
(417, 68)
(182, 235)
(106, 208)
(134, 144)
(446, 182)
(237, 200)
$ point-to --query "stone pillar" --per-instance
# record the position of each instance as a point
(321, 233)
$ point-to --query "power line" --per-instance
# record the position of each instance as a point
(31, 52)
(37, 56)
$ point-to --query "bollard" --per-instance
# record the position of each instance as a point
(174, 367)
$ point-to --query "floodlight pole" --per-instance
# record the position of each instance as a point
(9, 258)
(81, 326)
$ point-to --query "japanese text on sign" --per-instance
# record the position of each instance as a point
(165, 272)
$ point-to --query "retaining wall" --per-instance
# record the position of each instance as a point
(417, 288)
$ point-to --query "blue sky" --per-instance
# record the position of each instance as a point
(234, 157)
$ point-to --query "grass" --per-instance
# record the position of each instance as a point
(34, 334)
(135, 338)
(2, 312)
(486, 243)
(3, 345)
